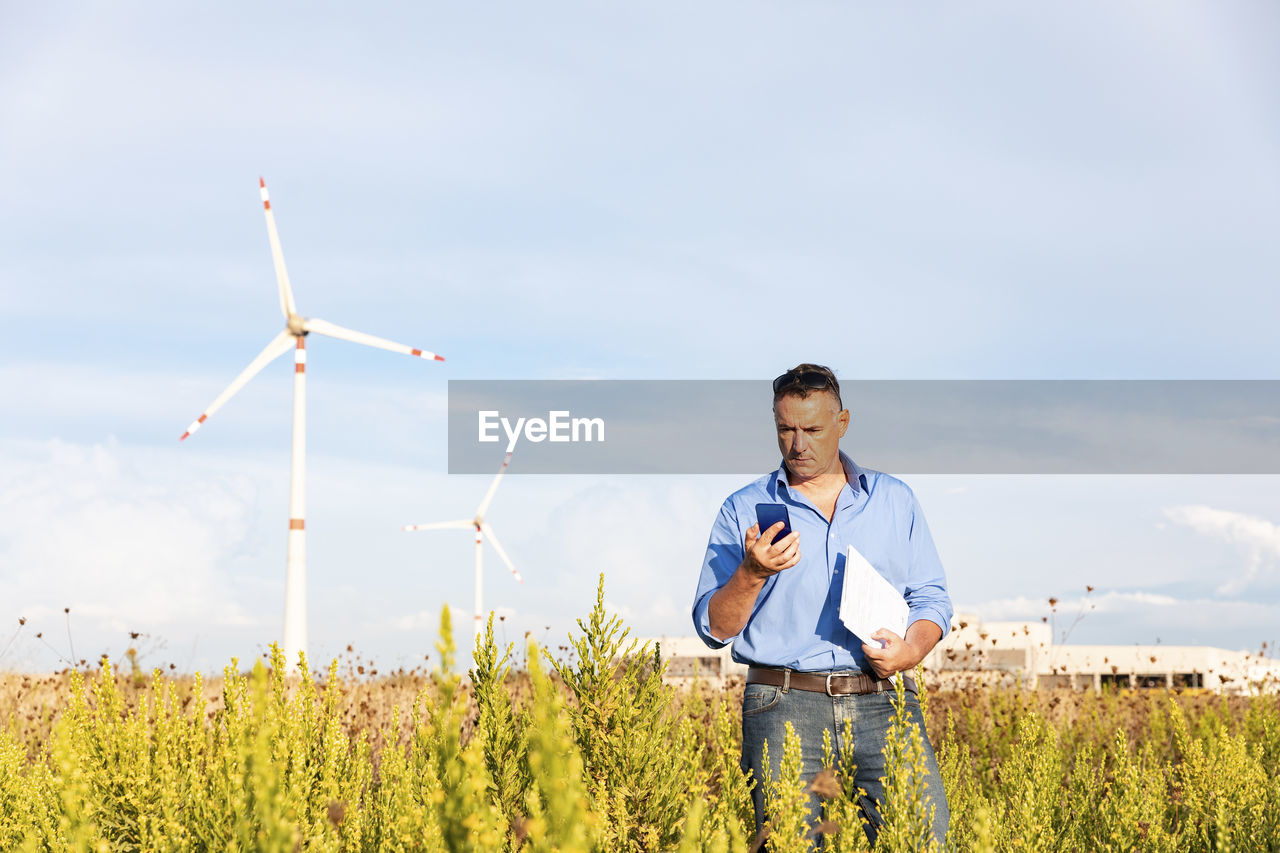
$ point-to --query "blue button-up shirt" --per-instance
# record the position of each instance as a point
(796, 619)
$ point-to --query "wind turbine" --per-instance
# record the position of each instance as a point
(294, 336)
(482, 529)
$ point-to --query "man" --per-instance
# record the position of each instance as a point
(778, 602)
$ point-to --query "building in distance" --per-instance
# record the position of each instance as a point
(1024, 654)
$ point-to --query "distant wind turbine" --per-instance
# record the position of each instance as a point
(482, 529)
(294, 335)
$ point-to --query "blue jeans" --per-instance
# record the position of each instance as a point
(766, 710)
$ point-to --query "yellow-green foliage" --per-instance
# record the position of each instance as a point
(907, 811)
(502, 739)
(1032, 779)
(641, 763)
(596, 754)
(786, 801)
(843, 824)
(560, 814)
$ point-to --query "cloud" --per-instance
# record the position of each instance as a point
(1128, 616)
(1256, 537)
(647, 537)
(428, 620)
(187, 545)
(359, 415)
(1032, 609)
(120, 539)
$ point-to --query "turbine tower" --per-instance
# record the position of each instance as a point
(294, 337)
(482, 530)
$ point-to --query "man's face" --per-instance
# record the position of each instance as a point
(809, 432)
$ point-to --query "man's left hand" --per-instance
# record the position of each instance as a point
(896, 656)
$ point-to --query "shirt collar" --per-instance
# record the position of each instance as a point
(852, 473)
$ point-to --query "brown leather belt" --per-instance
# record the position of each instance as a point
(830, 683)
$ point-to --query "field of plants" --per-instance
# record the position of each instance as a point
(589, 751)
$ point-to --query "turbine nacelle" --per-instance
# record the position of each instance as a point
(297, 325)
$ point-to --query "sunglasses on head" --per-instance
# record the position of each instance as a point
(808, 378)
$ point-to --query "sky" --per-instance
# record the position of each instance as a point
(570, 191)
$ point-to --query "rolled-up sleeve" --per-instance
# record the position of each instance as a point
(724, 554)
(926, 592)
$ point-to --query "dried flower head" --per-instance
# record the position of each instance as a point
(825, 785)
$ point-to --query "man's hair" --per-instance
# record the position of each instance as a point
(796, 383)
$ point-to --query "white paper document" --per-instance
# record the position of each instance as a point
(869, 602)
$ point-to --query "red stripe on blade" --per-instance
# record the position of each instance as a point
(297, 524)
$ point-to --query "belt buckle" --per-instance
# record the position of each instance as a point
(828, 686)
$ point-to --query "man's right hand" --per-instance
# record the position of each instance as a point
(764, 557)
(731, 605)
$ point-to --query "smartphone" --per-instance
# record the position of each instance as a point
(768, 515)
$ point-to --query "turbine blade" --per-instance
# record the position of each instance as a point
(441, 525)
(493, 487)
(324, 328)
(493, 540)
(277, 256)
(279, 345)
